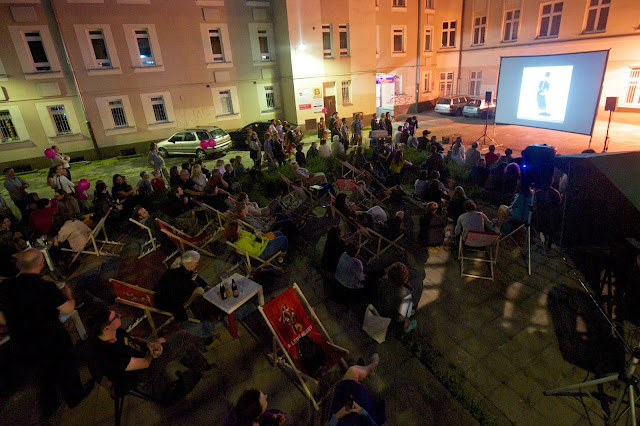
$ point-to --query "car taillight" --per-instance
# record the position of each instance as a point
(450, 106)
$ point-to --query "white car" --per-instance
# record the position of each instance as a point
(187, 142)
(451, 105)
(479, 108)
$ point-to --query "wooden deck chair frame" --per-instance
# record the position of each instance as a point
(300, 191)
(261, 262)
(98, 246)
(527, 228)
(361, 173)
(147, 309)
(224, 217)
(285, 359)
(181, 239)
(491, 250)
(148, 246)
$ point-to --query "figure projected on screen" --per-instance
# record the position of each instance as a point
(543, 91)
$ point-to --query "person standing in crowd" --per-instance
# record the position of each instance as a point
(156, 161)
(61, 159)
(357, 129)
(321, 127)
(388, 123)
(29, 309)
(58, 180)
(344, 134)
(16, 187)
(255, 151)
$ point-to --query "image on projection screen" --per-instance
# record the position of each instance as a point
(544, 93)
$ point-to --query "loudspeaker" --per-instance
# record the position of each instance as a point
(611, 103)
(489, 95)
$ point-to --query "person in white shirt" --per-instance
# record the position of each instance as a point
(61, 160)
(324, 150)
(458, 151)
(337, 149)
(307, 176)
(58, 180)
(74, 231)
(397, 137)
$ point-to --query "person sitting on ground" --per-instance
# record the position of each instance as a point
(507, 158)
(431, 227)
(456, 204)
(548, 213)
(251, 409)
(423, 141)
(174, 176)
(510, 178)
(492, 157)
(357, 158)
(472, 220)
(394, 297)
(72, 233)
(239, 167)
(458, 151)
(11, 243)
(306, 176)
(284, 225)
(434, 193)
(157, 183)
(216, 193)
(434, 162)
(300, 158)
(41, 220)
(352, 404)
(256, 245)
(333, 249)
(479, 174)
(517, 213)
(68, 205)
(421, 185)
(230, 178)
(134, 363)
(122, 190)
(313, 151)
(496, 177)
(102, 202)
(324, 150)
(395, 225)
(397, 167)
(188, 185)
(337, 148)
(198, 177)
(178, 207)
(144, 185)
(472, 156)
(219, 165)
(349, 270)
(397, 138)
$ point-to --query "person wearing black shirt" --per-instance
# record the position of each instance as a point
(188, 185)
(179, 209)
(29, 309)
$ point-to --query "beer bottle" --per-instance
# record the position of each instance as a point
(223, 291)
(234, 288)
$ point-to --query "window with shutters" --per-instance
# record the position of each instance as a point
(511, 25)
(59, 118)
(597, 15)
(550, 17)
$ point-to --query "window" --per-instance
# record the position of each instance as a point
(430, 4)
(215, 37)
(398, 40)
(511, 24)
(37, 51)
(474, 83)
(8, 131)
(346, 92)
(428, 33)
(226, 102)
(550, 16)
(597, 14)
(327, 41)
(117, 113)
(263, 41)
(99, 49)
(426, 82)
(144, 47)
(479, 30)
(449, 34)
(270, 97)
(446, 83)
(159, 110)
(399, 3)
(343, 31)
(632, 96)
(59, 117)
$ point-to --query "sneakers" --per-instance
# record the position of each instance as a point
(412, 325)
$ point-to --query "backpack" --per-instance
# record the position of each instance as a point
(311, 355)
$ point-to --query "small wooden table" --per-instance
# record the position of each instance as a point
(247, 289)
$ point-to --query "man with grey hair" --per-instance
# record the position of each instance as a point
(29, 310)
(472, 156)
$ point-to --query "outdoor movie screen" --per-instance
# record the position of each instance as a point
(557, 92)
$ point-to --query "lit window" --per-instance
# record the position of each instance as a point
(511, 24)
(99, 49)
(426, 82)
(346, 92)
(479, 30)
(37, 51)
(270, 97)
(144, 48)
(343, 31)
(263, 41)
(59, 117)
(118, 114)
(430, 4)
(215, 38)
(550, 16)
(226, 102)
(398, 40)
(327, 41)
(159, 109)
(399, 3)
(449, 34)
(428, 33)
(474, 83)
(446, 83)
(632, 96)
(597, 15)
(8, 131)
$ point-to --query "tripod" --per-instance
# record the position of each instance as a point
(484, 135)
(606, 138)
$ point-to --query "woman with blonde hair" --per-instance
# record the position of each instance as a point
(197, 175)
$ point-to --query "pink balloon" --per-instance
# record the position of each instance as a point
(324, 110)
(82, 196)
(204, 144)
(212, 143)
(49, 153)
(83, 185)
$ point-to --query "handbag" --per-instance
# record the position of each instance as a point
(375, 325)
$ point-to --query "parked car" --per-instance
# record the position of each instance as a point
(479, 108)
(240, 137)
(187, 142)
(451, 105)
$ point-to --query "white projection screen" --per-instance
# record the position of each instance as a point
(556, 92)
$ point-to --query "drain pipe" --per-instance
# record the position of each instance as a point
(418, 55)
(75, 81)
(460, 51)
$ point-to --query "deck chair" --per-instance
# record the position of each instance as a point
(141, 298)
(181, 239)
(97, 247)
(247, 258)
(148, 246)
(290, 319)
(479, 246)
(222, 217)
(526, 226)
(356, 174)
(299, 196)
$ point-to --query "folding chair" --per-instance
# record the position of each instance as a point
(364, 175)
(106, 247)
(527, 228)
(181, 239)
(247, 257)
(148, 246)
(290, 318)
(485, 245)
(297, 196)
(141, 298)
(222, 217)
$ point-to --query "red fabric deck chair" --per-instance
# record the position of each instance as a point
(181, 239)
(291, 319)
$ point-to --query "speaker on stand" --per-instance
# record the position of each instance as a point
(483, 138)
(609, 105)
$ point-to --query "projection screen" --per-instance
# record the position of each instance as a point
(556, 92)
